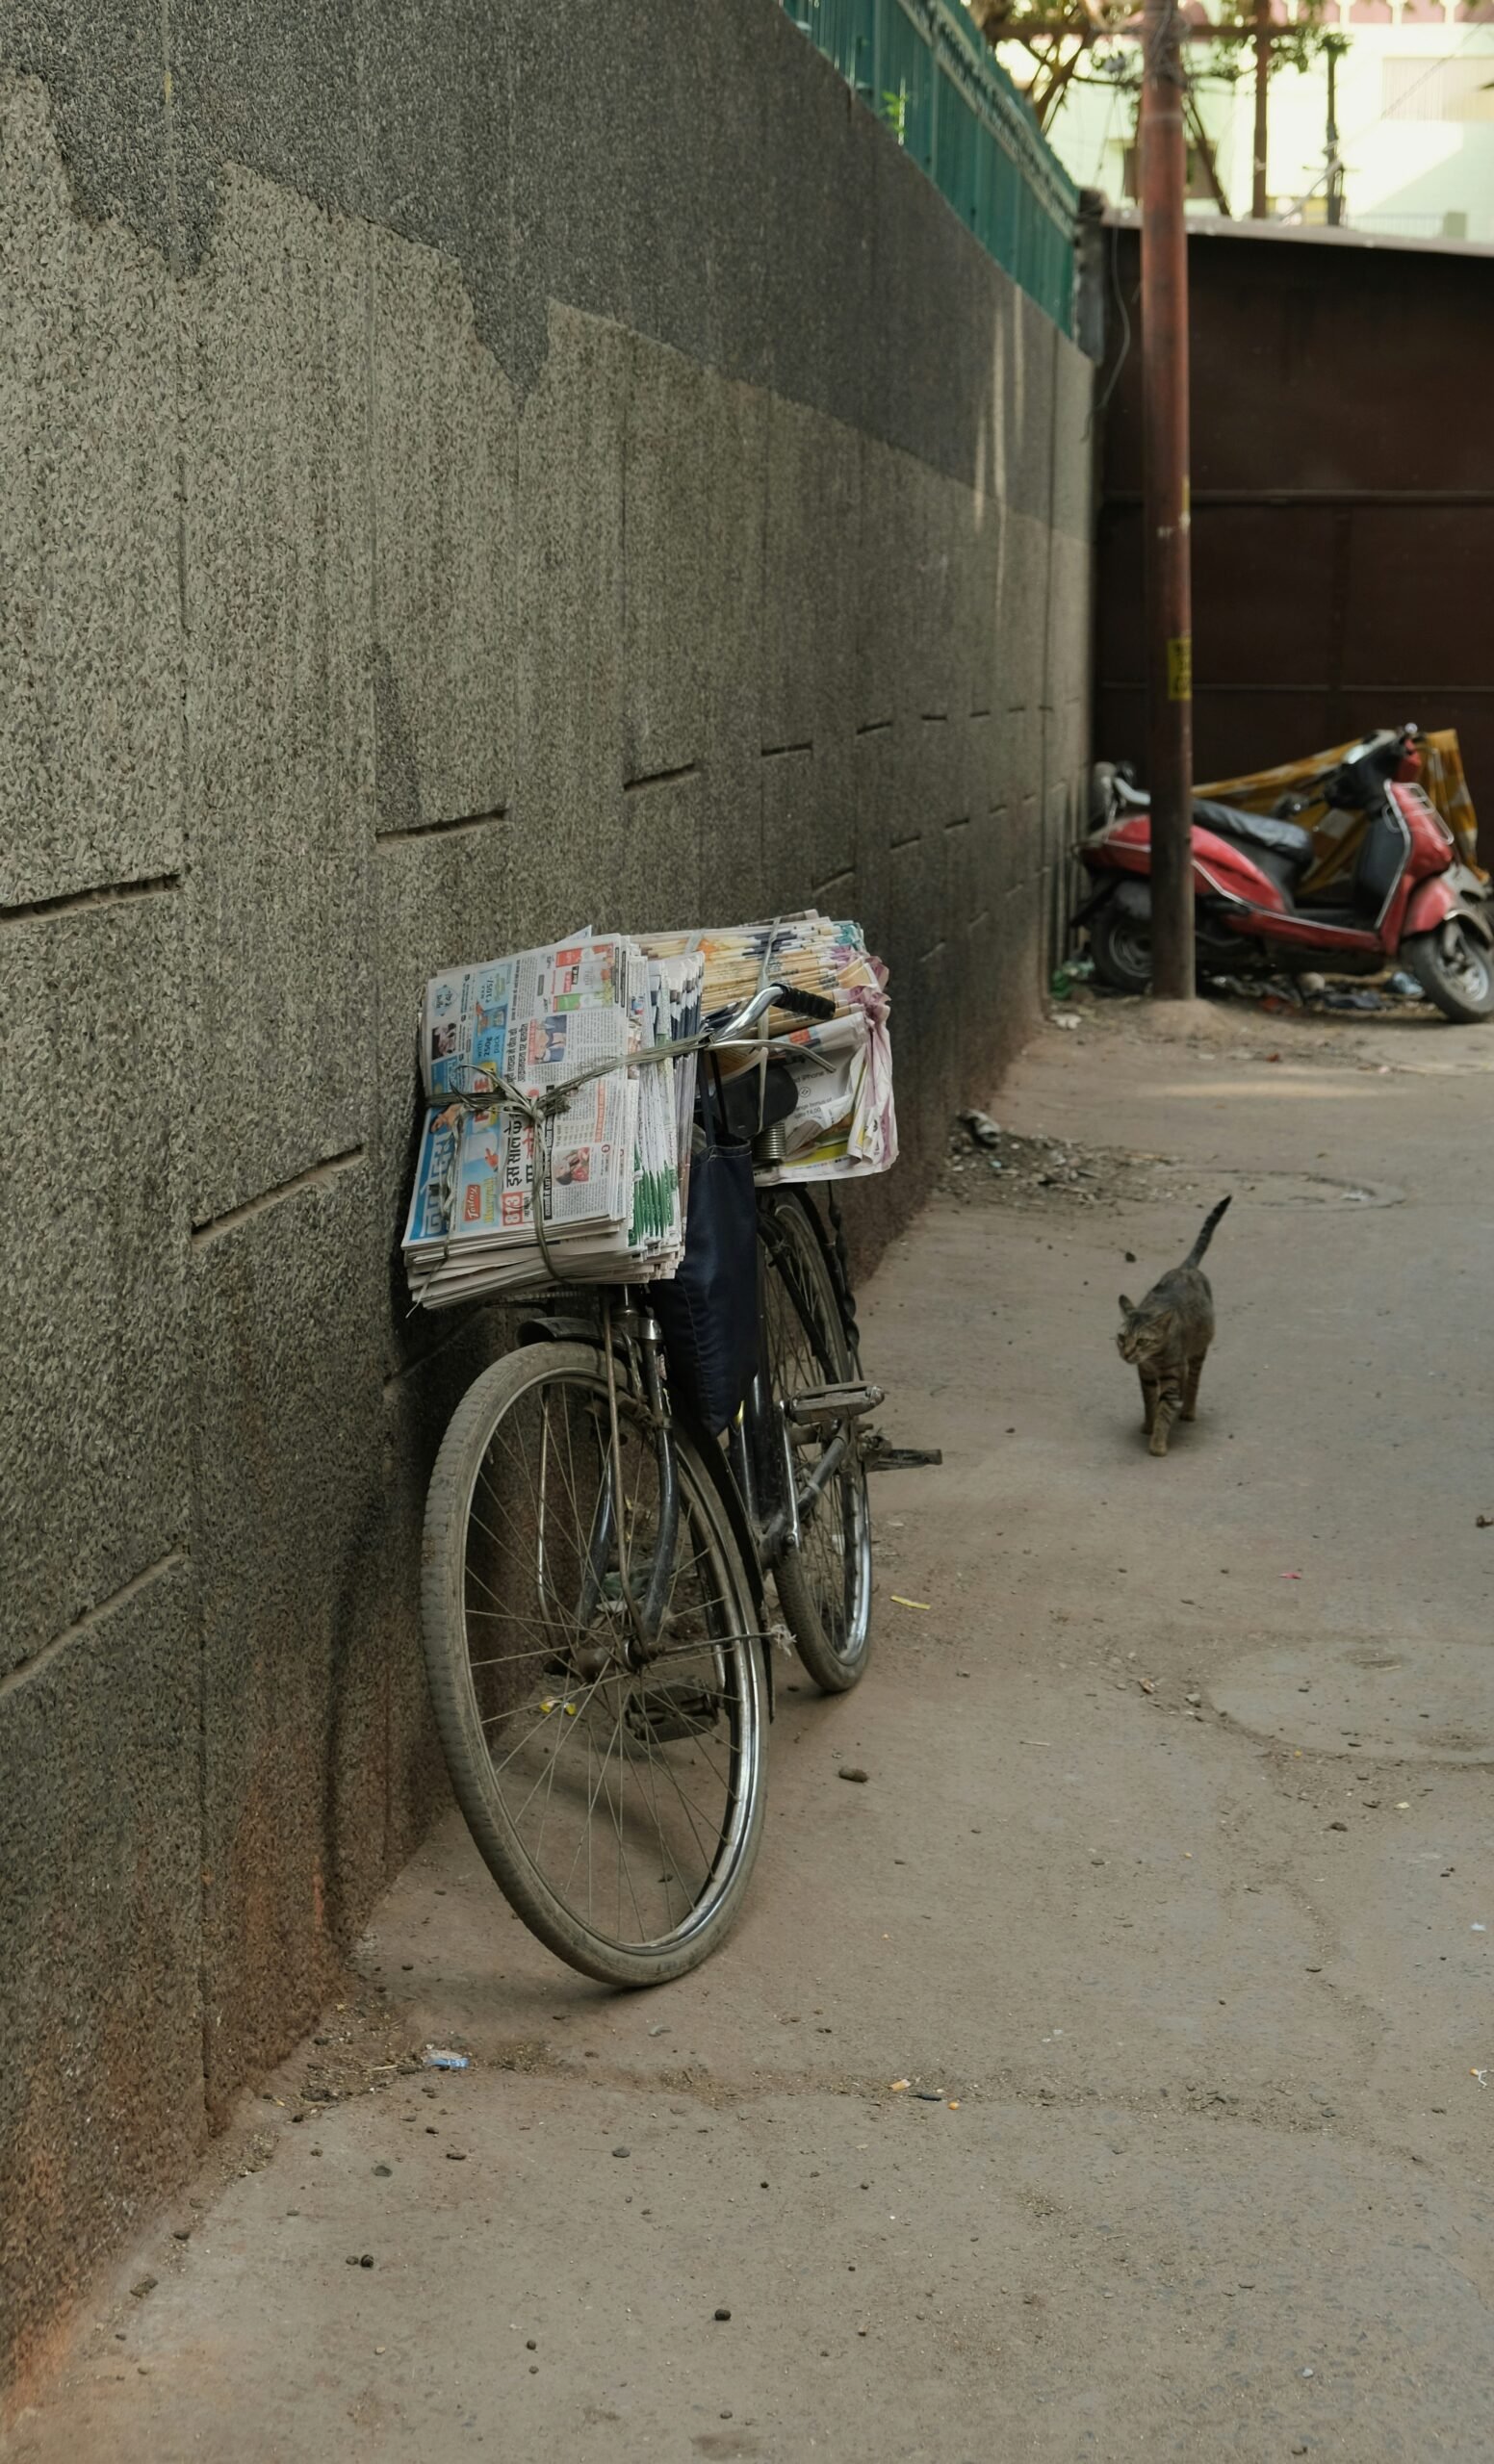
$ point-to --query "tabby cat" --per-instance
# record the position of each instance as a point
(1166, 1336)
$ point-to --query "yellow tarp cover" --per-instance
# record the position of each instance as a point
(1336, 835)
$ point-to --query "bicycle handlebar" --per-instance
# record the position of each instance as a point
(773, 996)
(803, 1005)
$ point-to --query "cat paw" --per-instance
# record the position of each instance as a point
(1158, 1445)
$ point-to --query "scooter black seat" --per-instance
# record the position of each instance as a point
(1256, 829)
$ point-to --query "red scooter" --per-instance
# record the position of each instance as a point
(1409, 899)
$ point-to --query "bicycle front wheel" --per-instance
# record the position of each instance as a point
(617, 1799)
(824, 1585)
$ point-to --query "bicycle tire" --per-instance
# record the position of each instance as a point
(824, 1585)
(507, 1395)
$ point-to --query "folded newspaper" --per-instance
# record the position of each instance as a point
(844, 1125)
(535, 1076)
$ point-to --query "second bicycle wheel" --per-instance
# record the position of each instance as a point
(824, 1585)
(617, 1801)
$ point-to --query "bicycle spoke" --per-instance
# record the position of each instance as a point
(657, 1768)
(606, 1793)
(668, 1856)
(823, 1584)
(529, 1738)
(691, 1809)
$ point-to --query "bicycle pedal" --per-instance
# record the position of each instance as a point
(662, 1713)
(819, 1403)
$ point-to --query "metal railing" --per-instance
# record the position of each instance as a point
(927, 72)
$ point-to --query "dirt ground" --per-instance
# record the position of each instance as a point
(1167, 1896)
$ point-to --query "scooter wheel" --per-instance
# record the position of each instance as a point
(1462, 984)
(1121, 946)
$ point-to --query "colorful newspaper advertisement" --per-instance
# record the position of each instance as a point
(571, 1021)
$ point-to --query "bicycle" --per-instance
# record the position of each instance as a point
(594, 1591)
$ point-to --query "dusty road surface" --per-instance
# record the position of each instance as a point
(1171, 1875)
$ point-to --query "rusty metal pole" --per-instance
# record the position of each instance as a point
(1165, 491)
(1260, 203)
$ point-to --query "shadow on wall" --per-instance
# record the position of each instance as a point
(412, 566)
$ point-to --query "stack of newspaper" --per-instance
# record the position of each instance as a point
(843, 1126)
(538, 1094)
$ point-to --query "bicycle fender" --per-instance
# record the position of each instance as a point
(569, 1330)
(545, 1330)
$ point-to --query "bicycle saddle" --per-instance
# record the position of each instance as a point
(755, 1099)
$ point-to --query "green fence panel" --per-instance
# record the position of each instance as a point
(906, 91)
(845, 31)
(958, 152)
(925, 69)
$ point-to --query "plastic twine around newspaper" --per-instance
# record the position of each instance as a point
(762, 1022)
(540, 1109)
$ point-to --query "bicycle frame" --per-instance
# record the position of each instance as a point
(761, 1460)
(645, 1614)
(595, 1566)
(759, 1443)
(757, 1464)
(759, 1476)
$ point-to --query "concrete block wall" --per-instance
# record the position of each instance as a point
(462, 476)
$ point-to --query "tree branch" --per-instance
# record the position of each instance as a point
(1206, 155)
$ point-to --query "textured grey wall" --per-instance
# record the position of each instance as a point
(465, 470)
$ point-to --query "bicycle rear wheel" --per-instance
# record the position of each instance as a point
(618, 1804)
(824, 1585)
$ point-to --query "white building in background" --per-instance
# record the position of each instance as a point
(1416, 110)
